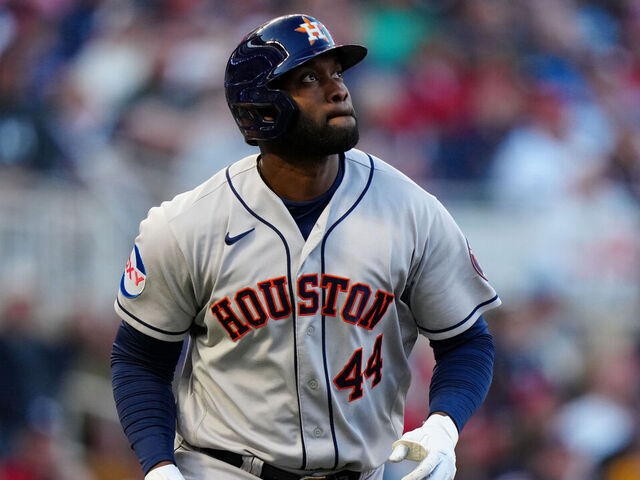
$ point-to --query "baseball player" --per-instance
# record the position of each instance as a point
(302, 277)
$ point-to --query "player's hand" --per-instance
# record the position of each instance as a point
(433, 446)
(165, 472)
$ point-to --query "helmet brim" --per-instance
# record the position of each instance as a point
(349, 56)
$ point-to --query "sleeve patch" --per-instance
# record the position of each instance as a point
(134, 276)
(475, 263)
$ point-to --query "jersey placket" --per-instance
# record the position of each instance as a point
(315, 387)
(314, 397)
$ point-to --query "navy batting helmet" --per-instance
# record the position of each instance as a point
(263, 112)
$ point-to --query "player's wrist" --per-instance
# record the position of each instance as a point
(162, 464)
(444, 424)
(164, 471)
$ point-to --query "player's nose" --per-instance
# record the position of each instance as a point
(337, 91)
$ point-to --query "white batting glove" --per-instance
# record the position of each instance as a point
(433, 446)
(165, 472)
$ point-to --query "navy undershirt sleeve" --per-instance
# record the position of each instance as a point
(463, 372)
(142, 370)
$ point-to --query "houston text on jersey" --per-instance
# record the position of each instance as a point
(250, 310)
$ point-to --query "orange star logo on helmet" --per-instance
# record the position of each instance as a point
(314, 30)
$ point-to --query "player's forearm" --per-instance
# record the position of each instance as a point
(463, 373)
(141, 372)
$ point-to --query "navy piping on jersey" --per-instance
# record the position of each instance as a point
(156, 329)
(324, 343)
(293, 310)
(442, 330)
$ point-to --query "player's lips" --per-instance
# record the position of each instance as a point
(346, 117)
(341, 113)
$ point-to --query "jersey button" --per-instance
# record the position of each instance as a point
(313, 384)
(317, 432)
(310, 330)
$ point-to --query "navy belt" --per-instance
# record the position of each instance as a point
(269, 472)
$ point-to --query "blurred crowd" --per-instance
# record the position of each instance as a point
(530, 108)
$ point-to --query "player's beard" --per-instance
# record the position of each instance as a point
(306, 136)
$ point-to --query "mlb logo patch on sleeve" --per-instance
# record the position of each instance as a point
(133, 278)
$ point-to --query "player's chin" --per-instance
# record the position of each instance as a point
(341, 138)
(343, 126)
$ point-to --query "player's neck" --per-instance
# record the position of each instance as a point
(298, 179)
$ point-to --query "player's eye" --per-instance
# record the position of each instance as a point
(309, 77)
(338, 74)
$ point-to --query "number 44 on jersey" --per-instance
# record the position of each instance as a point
(351, 375)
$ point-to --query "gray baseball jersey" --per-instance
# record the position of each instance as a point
(299, 349)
